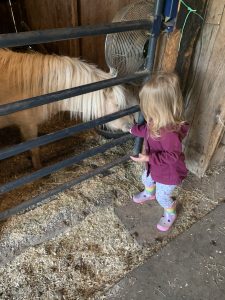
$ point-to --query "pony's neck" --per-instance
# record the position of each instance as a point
(35, 74)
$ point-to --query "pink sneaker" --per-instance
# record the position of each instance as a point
(141, 197)
(166, 221)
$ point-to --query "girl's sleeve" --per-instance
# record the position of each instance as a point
(172, 149)
(138, 130)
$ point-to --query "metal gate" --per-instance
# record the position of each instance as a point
(45, 36)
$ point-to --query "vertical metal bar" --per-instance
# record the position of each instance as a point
(155, 31)
(156, 27)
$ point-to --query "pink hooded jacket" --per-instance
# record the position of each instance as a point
(166, 159)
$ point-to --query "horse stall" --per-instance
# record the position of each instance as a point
(68, 229)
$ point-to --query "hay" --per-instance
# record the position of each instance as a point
(74, 266)
(75, 247)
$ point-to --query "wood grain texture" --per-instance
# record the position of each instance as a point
(199, 67)
(160, 51)
(6, 21)
(189, 36)
(171, 51)
(46, 14)
(97, 12)
(215, 11)
(219, 156)
(209, 96)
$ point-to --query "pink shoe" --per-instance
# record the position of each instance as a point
(166, 221)
(141, 197)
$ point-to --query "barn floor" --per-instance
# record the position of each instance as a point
(190, 267)
(86, 239)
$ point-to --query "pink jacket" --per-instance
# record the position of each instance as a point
(166, 159)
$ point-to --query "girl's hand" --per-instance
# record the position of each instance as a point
(140, 158)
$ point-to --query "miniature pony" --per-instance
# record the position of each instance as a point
(25, 75)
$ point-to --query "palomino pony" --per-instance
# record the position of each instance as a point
(25, 75)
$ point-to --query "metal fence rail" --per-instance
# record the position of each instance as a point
(47, 196)
(62, 164)
(6, 109)
(53, 137)
(61, 34)
(45, 36)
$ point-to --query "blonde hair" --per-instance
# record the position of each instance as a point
(161, 103)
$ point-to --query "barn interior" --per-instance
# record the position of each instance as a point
(81, 242)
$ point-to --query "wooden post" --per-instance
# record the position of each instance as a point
(205, 98)
(176, 58)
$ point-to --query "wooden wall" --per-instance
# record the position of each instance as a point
(47, 14)
(44, 14)
(6, 21)
(205, 98)
(97, 12)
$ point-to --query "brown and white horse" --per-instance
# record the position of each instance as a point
(25, 75)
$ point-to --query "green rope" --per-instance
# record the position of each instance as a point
(190, 10)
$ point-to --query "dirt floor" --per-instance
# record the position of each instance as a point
(77, 246)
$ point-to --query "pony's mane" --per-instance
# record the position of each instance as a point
(34, 74)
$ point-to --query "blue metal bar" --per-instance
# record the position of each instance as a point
(155, 31)
(61, 34)
(62, 164)
(6, 109)
(170, 9)
(32, 203)
(53, 137)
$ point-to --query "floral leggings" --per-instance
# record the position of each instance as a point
(163, 192)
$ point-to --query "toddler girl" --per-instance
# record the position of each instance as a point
(161, 104)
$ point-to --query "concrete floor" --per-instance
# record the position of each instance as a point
(191, 266)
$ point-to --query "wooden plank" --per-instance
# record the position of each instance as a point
(213, 141)
(189, 36)
(171, 51)
(46, 14)
(6, 21)
(199, 158)
(207, 127)
(219, 156)
(199, 67)
(223, 140)
(97, 12)
(178, 47)
(160, 51)
(215, 10)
